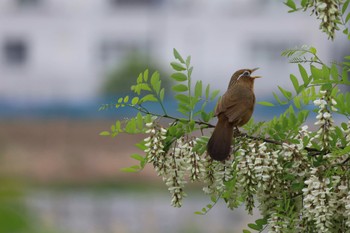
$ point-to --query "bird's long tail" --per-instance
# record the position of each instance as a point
(219, 144)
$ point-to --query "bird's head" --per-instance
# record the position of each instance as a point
(243, 75)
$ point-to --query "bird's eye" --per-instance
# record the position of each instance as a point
(246, 73)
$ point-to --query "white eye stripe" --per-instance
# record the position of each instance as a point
(246, 73)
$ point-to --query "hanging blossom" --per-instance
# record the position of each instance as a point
(324, 118)
(195, 161)
(267, 172)
(346, 201)
(246, 173)
(347, 134)
(339, 197)
(177, 166)
(154, 147)
(266, 166)
(216, 174)
(317, 206)
(277, 224)
(329, 14)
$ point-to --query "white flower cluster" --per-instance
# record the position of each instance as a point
(266, 166)
(196, 162)
(346, 201)
(339, 198)
(246, 174)
(277, 224)
(154, 147)
(267, 172)
(324, 118)
(316, 201)
(347, 134)
(328, 12)
(295, 154)
(174, 164)
(177, 167)
(216, 174)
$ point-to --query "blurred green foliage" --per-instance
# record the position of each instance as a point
(13, 214)
(124, 74)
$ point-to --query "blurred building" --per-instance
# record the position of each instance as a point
(58, 51)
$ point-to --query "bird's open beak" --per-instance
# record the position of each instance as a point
(252, 70)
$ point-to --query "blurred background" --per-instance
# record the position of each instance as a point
(61, 59)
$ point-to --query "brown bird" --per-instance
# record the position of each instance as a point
(234, 109)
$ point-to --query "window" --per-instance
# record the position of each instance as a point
(28, 3)
(133, 3)
(15, 52)
(113, 51)
(264, 50)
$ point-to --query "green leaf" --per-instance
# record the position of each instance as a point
(126, 99)
(105, 133)
(138, 157)
(344, 76)
(246, 231)
(345, 7)
(266, 103)
(141, 145)
(304, 3)
(254, 227)
(149, 97)
(155, 82)
(139, 79)
(341, 152)
(131, 126)
(261, 221)
(139, 121)
(145, 75)
(304, 75)
(295, 83)
(297, 102)
(334, 72)
(286, 93)
(184, 108)
(118, 125)
(207, 91)
(180, 77)
(188, 61)
(347, 18)
(135, 100)
(297, 186)
(316, 73)
(278, 99)
(325, 72)
(198, 213)
(177, 66)
(214, 94)
(182, 98)
(198, 89)
(179, 88)
(178, 56)
(120, 100)
(161, 94)
(135, 168)
(313, 50)
(190, 71)
(291, 4)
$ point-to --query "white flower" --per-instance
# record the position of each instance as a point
(327, 115)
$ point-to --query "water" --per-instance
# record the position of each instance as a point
(131, 212)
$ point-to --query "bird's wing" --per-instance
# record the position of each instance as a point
(234, 105)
